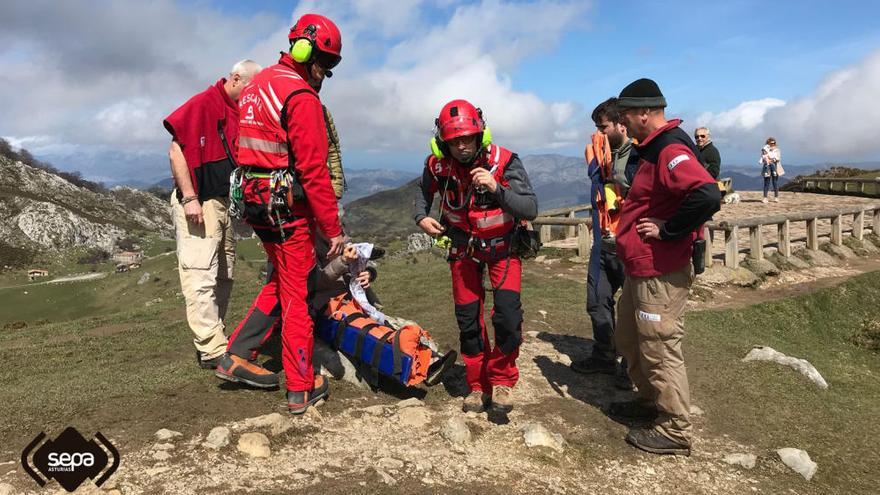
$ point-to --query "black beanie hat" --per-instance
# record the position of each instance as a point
(642, 93)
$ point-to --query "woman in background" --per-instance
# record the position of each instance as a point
(770, 160)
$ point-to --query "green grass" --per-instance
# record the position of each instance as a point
(772, 406)
(105, 360)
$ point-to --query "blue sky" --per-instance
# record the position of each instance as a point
(805, 72)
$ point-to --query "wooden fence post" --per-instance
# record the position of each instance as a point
(731, 247)
(876, 222)
(784, 243)
(583, 242)
(813, 234)
(837, 229)
(572, 231)
(756, 243)
(707, 236)
(545, 234)
(859, 225)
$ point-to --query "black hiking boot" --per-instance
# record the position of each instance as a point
(439, 367)
(651, 440)
(239, 370)
(621, 379)
(207, 364)
(634, 410)
(593, 365)
(299, 402)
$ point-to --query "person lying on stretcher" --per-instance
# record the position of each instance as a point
(334, 299)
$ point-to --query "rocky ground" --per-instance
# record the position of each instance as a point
(360, 446)
(557, 439)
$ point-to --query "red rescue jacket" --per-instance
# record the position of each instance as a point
(282, 125)
(458, 204)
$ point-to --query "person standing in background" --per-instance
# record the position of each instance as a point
(709, 154)
(771, 168)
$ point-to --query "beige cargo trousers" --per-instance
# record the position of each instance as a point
(205, 259)
(648, 335)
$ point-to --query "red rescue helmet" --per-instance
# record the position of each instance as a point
(459, 118)
(315, 38)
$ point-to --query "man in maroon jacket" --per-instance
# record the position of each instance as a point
(672, 195)
(200, 165)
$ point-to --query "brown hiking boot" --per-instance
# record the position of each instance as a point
(236, 369)
(476, 401)
(299, 402)
(502, 399)
(651, 440)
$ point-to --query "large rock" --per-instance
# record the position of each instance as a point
(456, 431)
(166, 434)
(536, 435)
(719, 274)
(415, 417)
(799, 461)
(790, 262)
(418, 241)
(254, 444)
(818, 257)
(411, 402)
(801, 365)
(276, 423)
(217, 438)
(743, 460)
(336, 365)
(761, 268)
(841, 251)
(55, 227)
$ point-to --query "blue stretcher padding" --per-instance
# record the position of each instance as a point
(327, 328)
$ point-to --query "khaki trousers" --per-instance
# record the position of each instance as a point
(648, 335)
(205, 259)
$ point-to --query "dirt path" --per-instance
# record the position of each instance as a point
(72, 278)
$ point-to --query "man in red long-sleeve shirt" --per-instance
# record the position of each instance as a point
(671, 197)
(287, 193)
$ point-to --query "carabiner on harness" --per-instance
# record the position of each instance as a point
(236, 194)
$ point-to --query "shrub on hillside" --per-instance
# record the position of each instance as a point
(129, 243)
(868, 335)
(93, 256)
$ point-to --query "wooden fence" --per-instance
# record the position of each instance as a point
(567, 217)
(861, 186)
(783, 225)
(581, 228)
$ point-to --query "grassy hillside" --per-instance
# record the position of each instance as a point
(115, 356)
(383, 216)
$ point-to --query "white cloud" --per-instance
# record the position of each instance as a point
(839, 120)
(469, 56)
(746, 116)
(120, 67)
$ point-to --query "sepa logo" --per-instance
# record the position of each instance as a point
(69, 459)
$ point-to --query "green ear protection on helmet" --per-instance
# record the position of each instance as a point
(440, 149)
(301, 49)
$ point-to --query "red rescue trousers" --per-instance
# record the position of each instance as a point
(290, 283)
(485, 365)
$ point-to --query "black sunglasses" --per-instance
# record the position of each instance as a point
(702, 135)
(327, 60)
